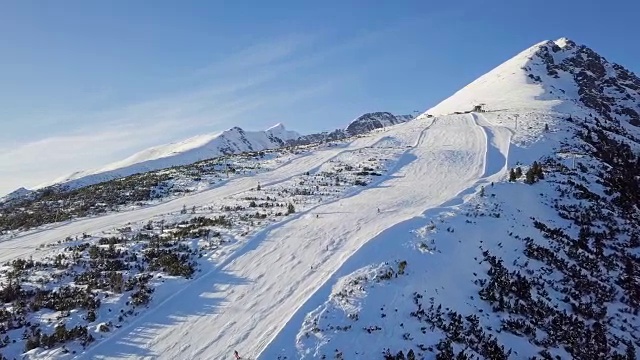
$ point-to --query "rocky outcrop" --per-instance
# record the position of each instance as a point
(363, 124)
(609, 89)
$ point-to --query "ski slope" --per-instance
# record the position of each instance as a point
(25, 245)
(384, 244)
(251, 295)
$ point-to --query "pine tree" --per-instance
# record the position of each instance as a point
(512, 175)
(538, 171)
(546, 127)
(631, 351)
(518, 172)
(290, 209)
(529, 177)
(445, 350)
(482, 191)
(412, 356)
(91, 316)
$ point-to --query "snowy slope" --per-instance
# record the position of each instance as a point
(232, 141)
(553, 77)
(407, 261)
(253, 308)
(453, 149)
(431, 285)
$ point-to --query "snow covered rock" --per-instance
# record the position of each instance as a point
(376, 120)
(361, 125)
(16, 194)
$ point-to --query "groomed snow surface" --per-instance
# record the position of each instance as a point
(279, 292)
(255, 297)
(251, 298)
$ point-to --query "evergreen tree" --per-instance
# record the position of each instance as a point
(412, 356)
(529, 177)
(631, 351)
(518, 172)
(445, 350)
(91, 316)
(512, 175)
(538, 170)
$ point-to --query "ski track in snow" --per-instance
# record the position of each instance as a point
(256, 296)
(252, 299)
(24, 245)
(496, 140)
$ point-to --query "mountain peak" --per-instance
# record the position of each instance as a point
(374, 120)
(278, 126)
(565, 43)
(279, 131)
(553, 76)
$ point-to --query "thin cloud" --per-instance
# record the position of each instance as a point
(248, 84)
(260, 54)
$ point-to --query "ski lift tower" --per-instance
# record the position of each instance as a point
(575, 154)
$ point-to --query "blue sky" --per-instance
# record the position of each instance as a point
(85, 83)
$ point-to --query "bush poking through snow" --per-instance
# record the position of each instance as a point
(290, 209)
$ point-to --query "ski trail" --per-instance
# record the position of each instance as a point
(25, 245)
(250, 298)
(141, 324)
(240, 251)
(497, 142)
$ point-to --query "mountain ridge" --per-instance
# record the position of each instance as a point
(503, 223)
(546, 257)
(575, 72)
(200, 147)
(364, 123)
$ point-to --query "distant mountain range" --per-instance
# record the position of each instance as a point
(201, 147)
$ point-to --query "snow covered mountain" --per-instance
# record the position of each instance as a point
(539, 260)
(194, 149)
(376, 120)
(558, 76)
(361, 125)
(509, 232)
(232, 141)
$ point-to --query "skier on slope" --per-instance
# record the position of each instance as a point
(235, 353)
